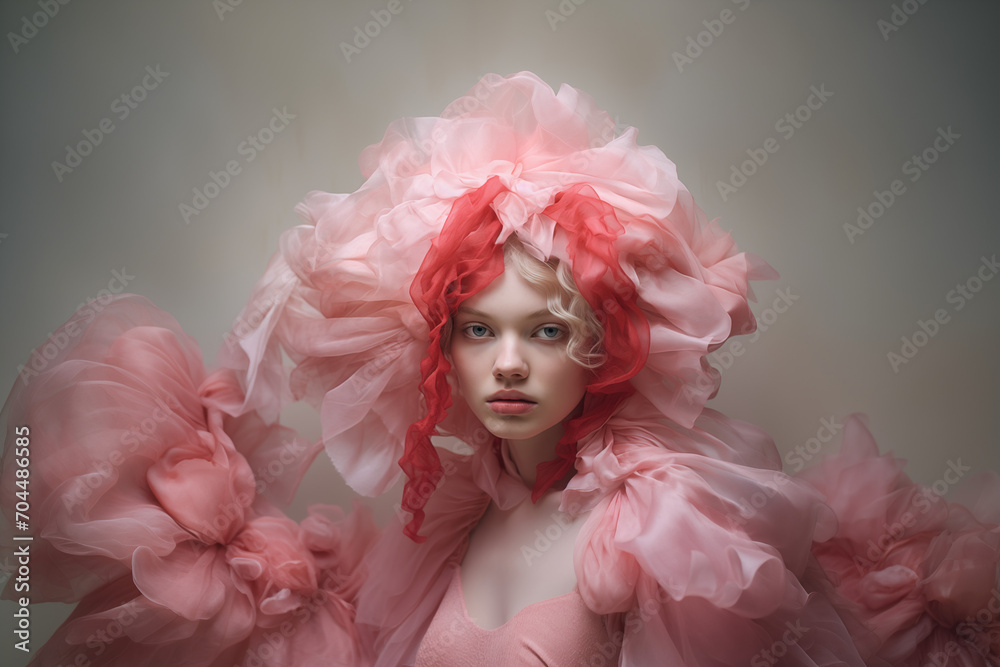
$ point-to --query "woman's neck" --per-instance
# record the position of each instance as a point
(526, 456)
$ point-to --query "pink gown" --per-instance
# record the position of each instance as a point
(130, 448)
(156, 485)
(756, 579)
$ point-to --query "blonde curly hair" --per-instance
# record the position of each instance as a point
(554, 279)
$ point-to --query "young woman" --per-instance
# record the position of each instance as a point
(552, 295)
(515, 277)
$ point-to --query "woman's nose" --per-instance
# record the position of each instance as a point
(510, 361)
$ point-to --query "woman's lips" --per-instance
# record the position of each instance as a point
(508, 406)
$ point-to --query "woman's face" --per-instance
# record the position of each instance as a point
(511, 366)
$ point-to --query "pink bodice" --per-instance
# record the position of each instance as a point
(558, 631)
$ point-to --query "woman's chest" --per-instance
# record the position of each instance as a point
(519, 557)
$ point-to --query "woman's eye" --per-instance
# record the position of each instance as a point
(477, 330)
(550, 332)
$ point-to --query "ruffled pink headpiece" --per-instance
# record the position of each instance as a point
(510, 158)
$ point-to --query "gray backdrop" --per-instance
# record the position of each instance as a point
(886, 106)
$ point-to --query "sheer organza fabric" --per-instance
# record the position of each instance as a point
(151, 511)
(154, 515)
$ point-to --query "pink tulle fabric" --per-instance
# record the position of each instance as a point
(156, 484)
(151, 510)
(336, 299)
(672, 545)
(665, 544)
(922, 571)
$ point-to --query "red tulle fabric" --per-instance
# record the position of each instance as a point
(462, 261)
(155, 487)
(338, 299)
(590, 230)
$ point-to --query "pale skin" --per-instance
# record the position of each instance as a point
(510, 365)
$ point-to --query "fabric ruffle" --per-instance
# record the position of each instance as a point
(923, 572)
(675, 539)
(694, 540)
(149, 507)
(408, 580)
(336, 297)
(704, 544)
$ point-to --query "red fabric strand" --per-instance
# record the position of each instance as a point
(442, 283)
(592, 228)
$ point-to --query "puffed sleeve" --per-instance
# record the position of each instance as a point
(705, 556)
